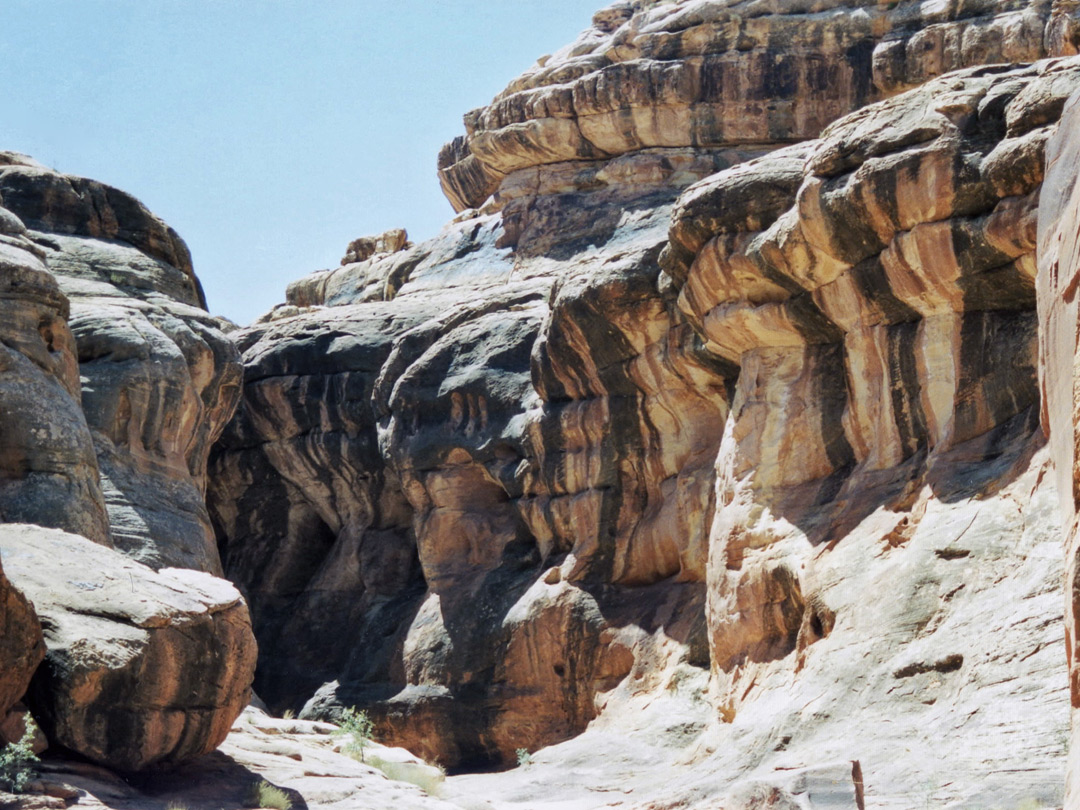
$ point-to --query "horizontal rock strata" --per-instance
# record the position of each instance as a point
(707, 74)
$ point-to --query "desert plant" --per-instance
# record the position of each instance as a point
(177, 806)
(524, 757)
(358, 726)
(17, 760)
(263, 794)
(289, 714)
(428, 778)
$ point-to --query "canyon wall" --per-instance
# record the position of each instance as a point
(697, 423)
(707, 443)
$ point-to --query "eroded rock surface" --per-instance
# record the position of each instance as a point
(159, 376)
(48, 468)
(711, 423)
(428, 432)
(142, 667)
(707, 74)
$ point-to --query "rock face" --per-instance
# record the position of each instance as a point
(688, 406)
(422, 451)
(142, 667)
(21, 645)
(50, 473)
(1059, 321)
(159, 376)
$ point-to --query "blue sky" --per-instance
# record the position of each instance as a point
(268, 133)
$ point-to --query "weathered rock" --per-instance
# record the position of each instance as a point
(302, 759)
(1059, 324)
(21, 646)
(445, 431)
(707, 74)
(884, 323)
(881, 303)
(14, 724)
(365, 247)
(48, 469)
(159, 376)
(142, 667)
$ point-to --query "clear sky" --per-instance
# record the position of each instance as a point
(269, 133)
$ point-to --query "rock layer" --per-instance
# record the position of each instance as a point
(707, 74)
(142, 667)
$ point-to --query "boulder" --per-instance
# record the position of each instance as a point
(142, 668)
(365, 247)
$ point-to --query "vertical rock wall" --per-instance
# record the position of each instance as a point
(1059, 320)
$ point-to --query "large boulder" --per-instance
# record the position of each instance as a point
(142, 667)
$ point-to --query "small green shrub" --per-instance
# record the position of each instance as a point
(358, 726)
(177, 806)
(17, 760)
(263, 794)
(524, 757)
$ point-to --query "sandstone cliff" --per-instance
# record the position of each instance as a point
(693, 425)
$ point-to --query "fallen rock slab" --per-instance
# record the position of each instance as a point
(142, 668)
